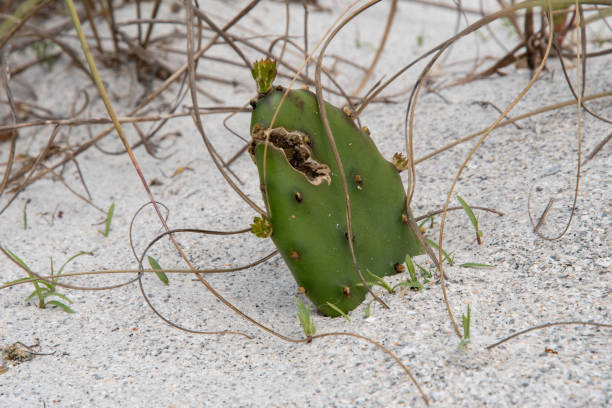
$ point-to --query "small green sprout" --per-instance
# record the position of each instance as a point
(367, 309)
(305, 319)
(155, 265)
(413, 282)
(44, 289)
(466, 330)
(420, 40)
(472, 217)
(261, 227)
(337, 309)
(41, 48)
(109, 217)
(264, 73)
(412, 272)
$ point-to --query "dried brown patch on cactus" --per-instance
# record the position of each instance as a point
(294, 145)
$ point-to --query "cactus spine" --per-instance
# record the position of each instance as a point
(305, 199)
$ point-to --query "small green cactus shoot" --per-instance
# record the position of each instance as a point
(261, 227)
(400, 161)
(264, 73)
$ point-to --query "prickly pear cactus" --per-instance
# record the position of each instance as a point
(305, 200)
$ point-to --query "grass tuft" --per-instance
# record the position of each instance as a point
(305, 319)
(465, 340)
(45, 289)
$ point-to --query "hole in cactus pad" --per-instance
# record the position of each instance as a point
(294, 145)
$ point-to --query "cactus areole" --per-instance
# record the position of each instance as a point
(305, 199)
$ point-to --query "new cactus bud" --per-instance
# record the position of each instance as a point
(400, 161)
(261, 227)
(264, 73)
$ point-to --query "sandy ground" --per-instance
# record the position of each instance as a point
(113, 351)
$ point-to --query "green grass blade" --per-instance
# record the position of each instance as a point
(471, 216)
(379, 281)
(31, 295)
(430, 219)
(474, 265)
(367, 310)
(62, 306)
(58, 295)
(13, 282)
(25, 213)
(468, 211)
(39, 293)
(155, 265)
(466, 319)
(37, 290)
(337, 309)
(47, 284)
(72, 258)
(410, 266)
(466, 323)
(109, 217)
(424, 272)
(16, 258)
(446, 256)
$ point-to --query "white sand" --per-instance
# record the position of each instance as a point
(115, 352)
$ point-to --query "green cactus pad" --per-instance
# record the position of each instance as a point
(305, 200)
